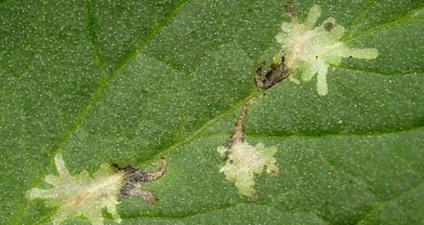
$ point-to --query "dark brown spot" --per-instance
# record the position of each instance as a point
(328, 26)
(274, 76)
(291, 10)
(132, 179)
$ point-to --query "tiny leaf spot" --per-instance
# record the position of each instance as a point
(328, 26)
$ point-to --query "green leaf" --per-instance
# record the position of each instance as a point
(128, 82)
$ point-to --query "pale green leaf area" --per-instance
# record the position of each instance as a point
(129, 82)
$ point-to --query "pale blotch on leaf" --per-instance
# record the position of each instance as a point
(244, 161)
(82, 195)
(311, 51)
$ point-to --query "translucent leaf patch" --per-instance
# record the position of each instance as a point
(244, 161)
(311, 51)
(82, 195)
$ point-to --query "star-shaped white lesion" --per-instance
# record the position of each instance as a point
(244, 161)
(312, 50)
(81, 194)
(85, 195)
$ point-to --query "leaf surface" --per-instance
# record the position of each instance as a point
(128, 82)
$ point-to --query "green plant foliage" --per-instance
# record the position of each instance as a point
(128, 82)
